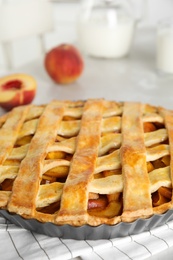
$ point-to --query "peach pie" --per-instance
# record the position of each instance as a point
(86, 162)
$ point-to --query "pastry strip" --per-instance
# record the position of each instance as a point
(114, 183)
(10, 129)
(136, 193)
(74, 200)
(4, 197)
(168, 118)
(25, 188)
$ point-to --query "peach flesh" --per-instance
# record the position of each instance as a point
(16, 90)
(12, 85)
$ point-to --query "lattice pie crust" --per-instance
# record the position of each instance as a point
(86, 162)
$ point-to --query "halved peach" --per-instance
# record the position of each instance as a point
(16, 90)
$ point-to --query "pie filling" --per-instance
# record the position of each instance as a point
(79, 170)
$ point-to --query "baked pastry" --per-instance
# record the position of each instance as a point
(86, 162)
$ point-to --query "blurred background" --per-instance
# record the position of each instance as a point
(127, 46)
(64, 28)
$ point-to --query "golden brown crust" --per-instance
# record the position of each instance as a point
(4, 198)
(168, 117)
(82, 167)
(136, 194)
(86, 162)
(9, 131)
(25, 188)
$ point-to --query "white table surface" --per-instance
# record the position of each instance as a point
(132, 78)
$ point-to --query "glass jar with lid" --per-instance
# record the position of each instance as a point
(106, 28)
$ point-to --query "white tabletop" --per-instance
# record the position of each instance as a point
(132, 78)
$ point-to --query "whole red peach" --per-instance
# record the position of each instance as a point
(64, 63)
(16, 90)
